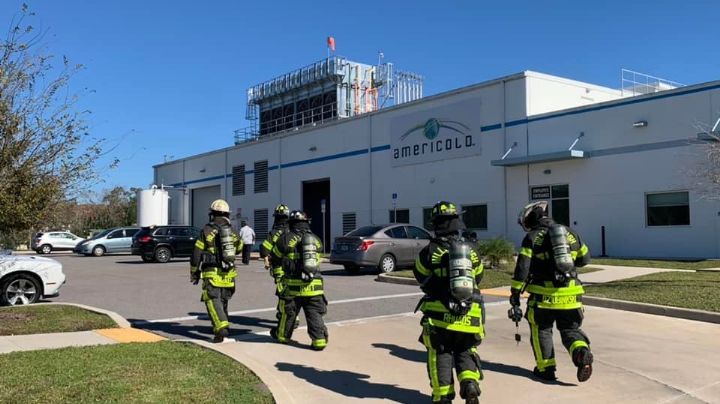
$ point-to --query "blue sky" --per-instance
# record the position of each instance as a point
(169, 77)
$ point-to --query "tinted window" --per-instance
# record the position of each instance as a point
(116, 234)
(475, 216)
(101, 234)
(160, 232)
(131, 232)
(179, 231)
(668, 209)
(415, 232)
(365, 231)
(396, 232)
(195, 232)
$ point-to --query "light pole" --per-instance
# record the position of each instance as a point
(322, 210)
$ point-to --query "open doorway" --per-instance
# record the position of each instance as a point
(315, 193)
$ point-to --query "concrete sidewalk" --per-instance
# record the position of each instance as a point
(33, 342)
(639, 358)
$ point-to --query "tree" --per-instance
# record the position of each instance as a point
(46, 153)
(707, 171)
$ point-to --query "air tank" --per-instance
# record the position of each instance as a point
(152, 207)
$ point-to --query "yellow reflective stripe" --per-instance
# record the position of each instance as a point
(571, 239)
(319, 343)
(200, 244)
(573, 254)
(583, 251)
(267, 245)
(478, 270)
(193, 269)
(469, 375)
(283, 320)
(542, 256)
(542, 363)
(526, 252)
(554, 292)
(517, 285)
(577, 344)
(421, 268)
(460, 323)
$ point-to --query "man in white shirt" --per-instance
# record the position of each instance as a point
(247, 234)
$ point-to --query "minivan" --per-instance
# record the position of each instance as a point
(117, 240)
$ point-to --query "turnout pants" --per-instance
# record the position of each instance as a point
(216, 301)
(447, 350)
(541, 333)
(315, 307)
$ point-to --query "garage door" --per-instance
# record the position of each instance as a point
(201, 200)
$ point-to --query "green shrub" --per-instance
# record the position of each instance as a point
(496, 251)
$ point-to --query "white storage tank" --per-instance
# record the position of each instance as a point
(152, 207)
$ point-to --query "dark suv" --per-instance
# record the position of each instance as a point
(161, 243)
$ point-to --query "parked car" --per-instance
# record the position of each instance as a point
(25, 279)
(117, 240)
(161, 243)
(386, 247)
(45, 243)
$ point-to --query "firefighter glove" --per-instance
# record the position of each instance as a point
(514, 297)
(515, 313)
(195, 277)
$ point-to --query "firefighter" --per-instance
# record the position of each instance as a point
(299, 283)
(546, 264)
(280, 226)
(449, 270)
(213, 261)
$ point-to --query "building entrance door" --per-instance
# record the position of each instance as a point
(558, 198)
(316, 204)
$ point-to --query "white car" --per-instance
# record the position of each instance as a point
(25, 279)
(45, 243)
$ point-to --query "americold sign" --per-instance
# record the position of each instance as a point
(448, 132)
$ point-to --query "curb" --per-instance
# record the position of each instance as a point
(276, 388)
(118, 319)
(655, 309)
(396, 280)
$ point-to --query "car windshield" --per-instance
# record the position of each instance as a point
(364, 231)
(101, 234)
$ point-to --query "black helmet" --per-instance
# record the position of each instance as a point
(281, 210)
(298, 216)
(443, 210)
(531, 214)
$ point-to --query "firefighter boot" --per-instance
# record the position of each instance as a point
(547, 374)
(583, 359)
(470, 391)
(220, 336)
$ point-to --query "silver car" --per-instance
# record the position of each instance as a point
(385, 247)
(117, 240)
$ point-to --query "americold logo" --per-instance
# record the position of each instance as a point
(431, 129)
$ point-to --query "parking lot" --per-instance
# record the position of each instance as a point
(160, 297)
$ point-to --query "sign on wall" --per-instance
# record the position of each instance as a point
(539, 193)
(446, 132)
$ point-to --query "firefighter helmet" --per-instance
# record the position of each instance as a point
(281, 210)
(220, 206)
(443, 209)
(531, 214)
(298, 216)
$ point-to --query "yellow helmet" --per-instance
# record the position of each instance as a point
(219, 205)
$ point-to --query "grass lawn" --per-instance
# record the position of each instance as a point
(692, 290)
(699, 264)
(41, 318)
(493, 278)
(168, 372)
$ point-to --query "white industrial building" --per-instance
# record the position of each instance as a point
(618, 162)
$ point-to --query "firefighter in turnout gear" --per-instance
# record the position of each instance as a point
(449, 270)
(280, 226)
(213, 261)
(299, 283)
(546, 264)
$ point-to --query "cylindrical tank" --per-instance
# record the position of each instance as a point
(152, 207)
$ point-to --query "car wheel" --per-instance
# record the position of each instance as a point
(98, 251)
(351, 269)
(20, 289)
(387, 263)
(145, 258)
(45, 249)
(162, 255)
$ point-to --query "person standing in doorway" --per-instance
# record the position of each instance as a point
(247, 234)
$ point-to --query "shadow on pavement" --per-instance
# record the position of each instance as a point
(518, 371)
(351, 384)
(239, 326)
(397, 351)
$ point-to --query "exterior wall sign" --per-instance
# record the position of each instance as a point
(446, 132)
(539, 193)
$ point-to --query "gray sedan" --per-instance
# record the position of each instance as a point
(385, 247)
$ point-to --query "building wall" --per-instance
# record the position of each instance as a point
(607, 189)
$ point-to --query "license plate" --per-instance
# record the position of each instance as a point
(344, 248)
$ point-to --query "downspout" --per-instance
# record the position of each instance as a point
(505, 174)
(370, 164)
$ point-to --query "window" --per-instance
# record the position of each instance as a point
(417, 233)
(396, 232)
(558, 197)
(131, 232)
(403, 216)
(668, 209)
(115, 234)
(349, 222)
(261, 176)
(427, 215)
(179, 231)
(261, 224)
(475, 216)
(238, 180)
(365, 231)
(160, 232)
